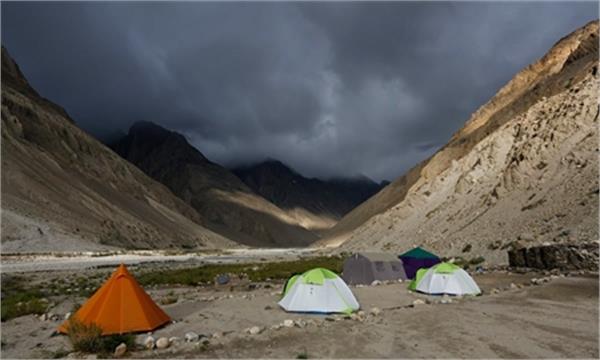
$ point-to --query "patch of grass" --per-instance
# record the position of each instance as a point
(88, 338)
(59, 354)
(256, 271)
(17, 300)
(302, 355)
(476, 261)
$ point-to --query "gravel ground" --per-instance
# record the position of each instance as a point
(557, 319)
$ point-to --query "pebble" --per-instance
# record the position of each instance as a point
(418, 302)
(513, 286)
(162, 343)
(375, 311)
(495, 291)
(217, 335)
(67, 316)
(255, 330)
(275, 327)
(120, 350)
(174, 340)
(288, 323)
(43, 317)
(446, 300)
(375, 283)
(300, 323)
(149, 342)
(191, 336)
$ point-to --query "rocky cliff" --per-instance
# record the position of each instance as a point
(64, 191)
(523, 169)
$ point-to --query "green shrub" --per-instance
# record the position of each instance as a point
(18, 300)
(256, 271)
(302, 355)
(476, 261)
(84, 338)
(88, 338)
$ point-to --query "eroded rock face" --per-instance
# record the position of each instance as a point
(567, 256)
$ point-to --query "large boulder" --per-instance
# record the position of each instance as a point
(565, 256)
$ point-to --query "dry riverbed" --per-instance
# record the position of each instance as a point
(514, 318)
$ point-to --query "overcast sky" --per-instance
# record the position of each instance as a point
(332, 89)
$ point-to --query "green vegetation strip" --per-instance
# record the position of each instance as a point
(18, 300)
(255, 271)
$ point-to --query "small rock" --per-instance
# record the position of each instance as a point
(418, 302)
(375, 311)
(149, 343)
(361, 313)
(191, 336)
(288, 323)
(300, 323)
(120, 350)
(375, 283)
(255, 330)
(174, 340)
(268, 307)
(67, 316)
(162, 343)
(217, 335)
(446, 300)
(44, 317)
(513, 286)
(495, 291)
(275, 327)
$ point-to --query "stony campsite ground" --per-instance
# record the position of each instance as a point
(556, 317)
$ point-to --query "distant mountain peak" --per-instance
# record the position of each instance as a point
(288, 189)
(144, 137)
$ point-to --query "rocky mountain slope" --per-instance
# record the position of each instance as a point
(320, 199)
(523, 170)
(62, 190)
(230, 207)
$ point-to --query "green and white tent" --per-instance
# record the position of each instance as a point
(318, 291)
(444, 278)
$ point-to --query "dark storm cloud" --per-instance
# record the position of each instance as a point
(330, 88)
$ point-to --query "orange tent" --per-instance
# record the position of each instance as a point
(120, 306)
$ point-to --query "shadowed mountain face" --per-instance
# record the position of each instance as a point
(289, 190)
(523, 170)
(62, 190)
(229, 206)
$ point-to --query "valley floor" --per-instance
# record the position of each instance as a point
(557, 319)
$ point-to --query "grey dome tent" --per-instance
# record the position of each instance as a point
(364, 268)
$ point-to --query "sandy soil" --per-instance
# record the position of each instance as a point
(558, 319)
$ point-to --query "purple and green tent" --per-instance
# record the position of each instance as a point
(416, 259)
